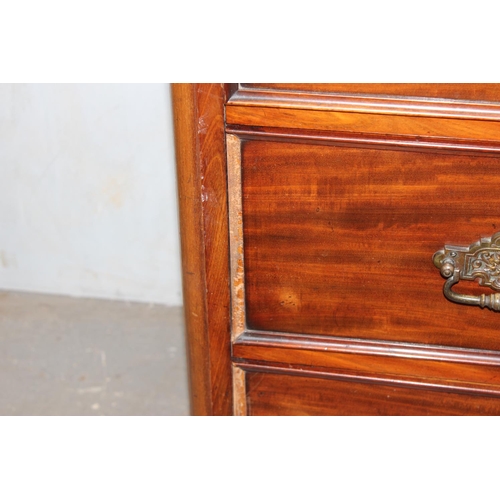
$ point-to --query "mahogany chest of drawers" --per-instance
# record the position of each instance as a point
(340, 247)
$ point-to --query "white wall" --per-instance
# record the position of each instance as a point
(87, 191)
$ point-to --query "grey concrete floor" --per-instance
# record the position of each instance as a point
(68, 356)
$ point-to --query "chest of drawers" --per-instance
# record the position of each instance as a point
(319, 224)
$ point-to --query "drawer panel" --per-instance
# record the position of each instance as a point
(280, 394)
(339, 241)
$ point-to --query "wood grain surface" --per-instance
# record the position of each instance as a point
(339, 241)
(443, 145)
(470, 378)
(460, 91)
(282, 394)
(363, 103)
(363, 122)
(201, 175)
(339, 195)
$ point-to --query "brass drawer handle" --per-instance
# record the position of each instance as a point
(480, 261)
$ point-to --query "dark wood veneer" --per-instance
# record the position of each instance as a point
(283, 394)
(451, 91)
(363, 122)
(442, 145)
(400, 364)
(346, 191)
(339, 241)
(323, 344)
(201, 175)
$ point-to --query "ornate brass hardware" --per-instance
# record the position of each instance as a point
(480, 261)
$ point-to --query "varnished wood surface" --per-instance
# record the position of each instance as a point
(339, 241)
(357, 122)
(253, 340)
(201, 174)
(470, 378)
(365, 103)
(347, 191)
(282, 394)
(446, 145)
(460, 91)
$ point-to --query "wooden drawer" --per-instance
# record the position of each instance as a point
(339, 240)
(315, 214)
(273, 394)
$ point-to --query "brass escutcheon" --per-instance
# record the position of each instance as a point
(479, 261)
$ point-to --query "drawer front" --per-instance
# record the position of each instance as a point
(281, 394)
(339, 240)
